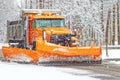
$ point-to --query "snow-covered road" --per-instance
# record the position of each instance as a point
(12, 71)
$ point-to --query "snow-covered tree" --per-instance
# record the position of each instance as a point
(84, 15)
(9, 10)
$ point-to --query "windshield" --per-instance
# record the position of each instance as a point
(49, 23)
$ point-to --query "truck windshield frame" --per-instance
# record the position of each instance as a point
(39, 23)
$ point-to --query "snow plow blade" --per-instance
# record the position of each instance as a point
(48, 52)
(19, 55)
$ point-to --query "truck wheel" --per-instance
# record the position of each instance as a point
(34, 46)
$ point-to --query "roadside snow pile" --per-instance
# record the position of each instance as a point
(114, 55)
(115, 62)
(14, 71)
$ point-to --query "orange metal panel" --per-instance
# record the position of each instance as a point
(46, 50)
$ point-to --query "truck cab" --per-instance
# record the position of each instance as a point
(51, 22)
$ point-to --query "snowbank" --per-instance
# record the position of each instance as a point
(113, 53)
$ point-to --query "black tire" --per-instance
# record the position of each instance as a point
(34, 45)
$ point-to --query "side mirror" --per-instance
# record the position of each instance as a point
(74, 33)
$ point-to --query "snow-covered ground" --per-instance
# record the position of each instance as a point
(112, 53)
(12, 71)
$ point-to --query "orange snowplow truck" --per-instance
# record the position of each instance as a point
(47, 39)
